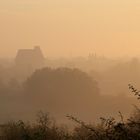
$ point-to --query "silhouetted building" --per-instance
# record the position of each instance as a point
(30, 59)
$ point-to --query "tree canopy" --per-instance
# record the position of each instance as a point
(62, 85)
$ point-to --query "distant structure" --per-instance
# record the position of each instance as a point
(92, 56)
(30, 59)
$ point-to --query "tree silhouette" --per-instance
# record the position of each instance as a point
(61, 86)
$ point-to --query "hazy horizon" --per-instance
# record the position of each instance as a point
(70, 28)
(74, 64)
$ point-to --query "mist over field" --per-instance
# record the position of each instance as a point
(88, 87)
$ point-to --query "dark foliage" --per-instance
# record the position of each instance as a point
(46, 129)
(62, 86)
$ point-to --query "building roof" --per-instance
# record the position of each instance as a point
(29, 55)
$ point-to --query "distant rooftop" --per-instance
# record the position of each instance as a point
(29, 56)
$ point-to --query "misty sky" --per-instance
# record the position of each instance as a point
(70, 27)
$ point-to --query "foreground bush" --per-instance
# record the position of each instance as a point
(46, 129)
(43, 129)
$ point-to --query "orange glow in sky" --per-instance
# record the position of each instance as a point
(70, 27)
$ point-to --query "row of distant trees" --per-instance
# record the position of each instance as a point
(56, 89)
(61, 85)
(54, 81)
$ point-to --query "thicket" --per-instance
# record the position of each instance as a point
(45, 128)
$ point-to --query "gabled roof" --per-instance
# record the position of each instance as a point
(29, 54)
